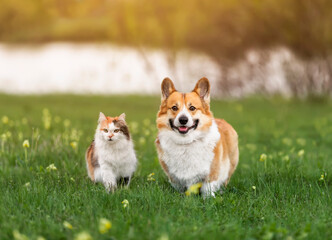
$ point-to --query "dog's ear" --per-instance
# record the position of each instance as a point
(167, 88)
(102, 117)
(202, 88)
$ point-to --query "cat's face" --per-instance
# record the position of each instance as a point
(112, 129)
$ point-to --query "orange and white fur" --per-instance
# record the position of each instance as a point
(192, 145)
(111, 156)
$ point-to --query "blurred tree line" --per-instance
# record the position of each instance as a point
(222, 29)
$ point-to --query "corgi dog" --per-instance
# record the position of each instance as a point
(111, 157)
(193, 146)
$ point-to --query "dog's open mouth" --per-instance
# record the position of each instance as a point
(183, 129)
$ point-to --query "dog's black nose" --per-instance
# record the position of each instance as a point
(183, 120)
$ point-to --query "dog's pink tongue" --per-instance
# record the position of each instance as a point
(183, 129)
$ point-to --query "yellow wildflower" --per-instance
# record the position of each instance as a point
(253, 187)
(73, 145)
(163, 237)
(51, 167)
(19, 236)
(125, 203)
(104, 225)
(83, 236)
(150, 177)
(285, 158)
(67, 225)
(3, 137)
(322, 177)
(194, 189)
(300, 153)
(5, 120)
(26, 143)
(263, 157)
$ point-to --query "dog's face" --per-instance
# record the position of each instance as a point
(185, 113)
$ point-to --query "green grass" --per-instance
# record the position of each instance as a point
(289, 200)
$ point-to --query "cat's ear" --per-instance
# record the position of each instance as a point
(102, 117)
(122, 117)
(167, 88)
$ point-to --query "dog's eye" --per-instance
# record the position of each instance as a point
(192, 108)
(116, 130)
(105, 130)
(174, 108)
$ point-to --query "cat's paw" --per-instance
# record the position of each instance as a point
(110, 186)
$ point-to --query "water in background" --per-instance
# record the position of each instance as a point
(108, 69)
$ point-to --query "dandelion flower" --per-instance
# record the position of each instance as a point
(263, 157)
(253, 187)
(300, 153)
(285, 158)
(163, 237)
(19, 236)
(67, 225)
(5, 120)
(322, 177)
(83, 236)
(3, 137)
(104, 225)
(51, 167)
(150, 177)
(125, 203)
(47, 119)
(73, 145)
(194, 189)
(26, 143)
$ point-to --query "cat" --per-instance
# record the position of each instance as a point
(111, 157)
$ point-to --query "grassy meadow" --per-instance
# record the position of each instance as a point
(281, 189)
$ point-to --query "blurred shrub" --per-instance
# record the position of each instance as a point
(223, 29)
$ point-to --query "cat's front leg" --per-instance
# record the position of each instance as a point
(109, 180)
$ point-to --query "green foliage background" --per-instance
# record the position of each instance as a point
(222, 29)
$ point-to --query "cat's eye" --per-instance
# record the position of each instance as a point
(192, 108)
(117, 130)
(105, 130)
(175, 108)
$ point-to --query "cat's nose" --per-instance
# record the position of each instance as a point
(110, 136)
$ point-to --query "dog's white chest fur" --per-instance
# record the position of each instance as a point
(188, 157)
